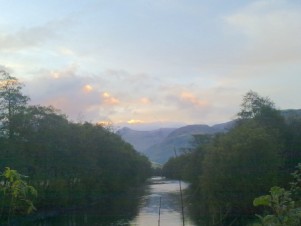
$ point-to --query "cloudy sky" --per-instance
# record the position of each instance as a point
(166, 62)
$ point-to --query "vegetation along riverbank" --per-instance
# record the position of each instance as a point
(229, 170)
(67, 163)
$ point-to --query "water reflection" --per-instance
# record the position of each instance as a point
(170, 211)
(112, 210)
(139, 207)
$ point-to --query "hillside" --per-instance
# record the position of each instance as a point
(291, 113)
(159, 145)
(142, 140)
(180, 140)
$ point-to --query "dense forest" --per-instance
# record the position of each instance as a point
(59, 162)
(227, 171)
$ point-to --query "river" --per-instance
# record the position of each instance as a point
(168, 191)
(142, 208)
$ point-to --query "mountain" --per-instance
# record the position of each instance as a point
(142, 140)
(180, 140)
(291, 113)
(159, 145)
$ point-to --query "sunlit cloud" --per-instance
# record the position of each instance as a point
(152, 62)
(135, 121)
(191, 98)
(108, 99)
(145, 100)
(65, 73)
(63, 89)
(55, 75)
(105, 123)
(106, 95)
(88, 88)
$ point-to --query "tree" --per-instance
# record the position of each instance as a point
(262, 110)
(292, 151)
(253, 105)
(69, 163)
(12, 102)
(244, 162)
(239, 166)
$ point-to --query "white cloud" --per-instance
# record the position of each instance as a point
(272, 31)
(32, 36)
(159, 60)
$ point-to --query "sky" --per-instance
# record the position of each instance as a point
(153, 63)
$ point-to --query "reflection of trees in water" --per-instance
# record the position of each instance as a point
(112, 209)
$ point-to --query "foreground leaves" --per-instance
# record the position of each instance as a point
(16, 195)
(283, 205)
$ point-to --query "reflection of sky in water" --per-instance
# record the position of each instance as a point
(170, 212)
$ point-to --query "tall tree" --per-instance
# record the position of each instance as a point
(253, 105)
(12, 102)
(238, 166)
(262, 110)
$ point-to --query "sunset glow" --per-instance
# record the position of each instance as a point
(108, 99)
(157, 61)
(87, 88)
(189, 97)
(135, 121)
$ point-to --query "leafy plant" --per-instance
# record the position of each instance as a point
(284, 205)
(17, 195)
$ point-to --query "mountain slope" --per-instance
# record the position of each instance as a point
(159, 145)
(291, 113)
(142, 140)
(180, 140)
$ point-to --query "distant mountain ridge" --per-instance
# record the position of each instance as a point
(291, 113)
(142, 140)
(159, 145)
(182, 139)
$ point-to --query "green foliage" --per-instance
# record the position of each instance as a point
(68, 163)
(16, 195)
(264, 200)
(292, 151)
(231, 169)
(263, 111)
(283, 205)
(254, 105)
(188, 166)
(238, 166)
(296, 184)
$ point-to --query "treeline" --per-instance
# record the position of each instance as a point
(229, 170)
(68, 163)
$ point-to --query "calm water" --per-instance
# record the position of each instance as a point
(139, 208)
(170, 211)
